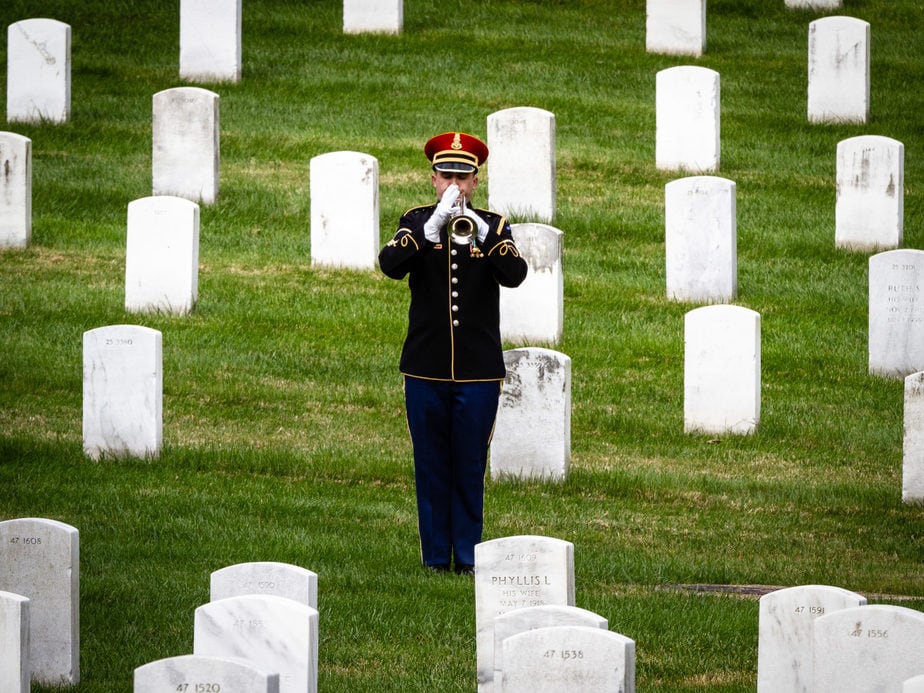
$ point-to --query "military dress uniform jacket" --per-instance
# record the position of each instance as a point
(454, 318)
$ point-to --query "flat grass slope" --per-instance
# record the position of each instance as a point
(284, 434)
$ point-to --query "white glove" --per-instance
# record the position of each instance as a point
(480, 223)
(441, 214)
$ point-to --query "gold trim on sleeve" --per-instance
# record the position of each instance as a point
(505, 247)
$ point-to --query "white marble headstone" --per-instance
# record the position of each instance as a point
(192, 673)
(533, 312)
(721, 370)
(913, 440)
(513, 573)
(701, 239)
(896, 313)
(814, 4)
(838, 70)
(521, 165)
(785, 630)
(185, 158)
(870, 209)
(38, 76)
(568, 658)
(274, 633)
(687, 119)
(210, 40)
(676, 27)
(532, 617)
(914, 685)
(15, 190)
(162, 255)
(373, 16)
(868, 648)
(344, 190)
(265, 577)
(122, 391)
(40, 560)
(15, 673)
(532, 433)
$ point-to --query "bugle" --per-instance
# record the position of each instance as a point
(460, 226)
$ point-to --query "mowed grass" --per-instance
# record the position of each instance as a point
(284, 431)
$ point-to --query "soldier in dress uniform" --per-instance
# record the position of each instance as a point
(456, 258)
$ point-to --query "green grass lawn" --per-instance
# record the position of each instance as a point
(284, 431)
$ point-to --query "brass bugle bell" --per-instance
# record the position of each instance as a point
(461, 226)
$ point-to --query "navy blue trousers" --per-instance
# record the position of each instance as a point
(451, 425)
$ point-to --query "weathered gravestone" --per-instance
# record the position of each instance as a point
(896, 313)
(913, 440)
(15, 190)
(786, 622)
(274, 633)
(38, 75)
(373, 16)
(40, 560)
(14, 643)
(561, 659)
(870, 207)
(210, 40)
(186, 144)
(701, 239)
(513, 573)
(533, 617)
(204, 674)
(521, 168)
(122, 391)
(532, 434)
(265, 577)
(533, 313)
(687, 119)
(344, 189)
(838, 70)
(814, 4)
(868, 648)
(676, 27)
(162, 255)
(721, 376)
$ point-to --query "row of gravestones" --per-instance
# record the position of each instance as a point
(123, 392)
(869, 211)
(838, 91)
(210, 47)
(259, 630)
(700, 221)
(700, 215)
(186, 159)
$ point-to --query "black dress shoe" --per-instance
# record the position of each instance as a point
(438, 568)
(465, 569)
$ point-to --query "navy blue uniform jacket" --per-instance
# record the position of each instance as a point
(454, 318)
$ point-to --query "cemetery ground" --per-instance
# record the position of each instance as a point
(284, 432)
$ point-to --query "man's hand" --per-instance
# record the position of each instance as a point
(480, 223)
(441, 214)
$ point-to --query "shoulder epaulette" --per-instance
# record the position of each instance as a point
(413, 210)
(489, 215)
